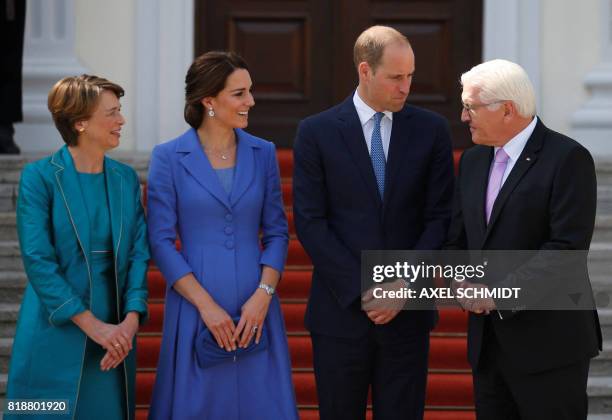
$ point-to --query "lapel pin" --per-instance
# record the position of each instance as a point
(528, 159)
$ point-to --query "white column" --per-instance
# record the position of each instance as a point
(164, 46)
(49, 55)
(511, 31)
(592, 123)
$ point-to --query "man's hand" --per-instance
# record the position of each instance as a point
(383, 309)
(478, 305)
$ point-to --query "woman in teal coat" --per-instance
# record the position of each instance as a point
(83, 241)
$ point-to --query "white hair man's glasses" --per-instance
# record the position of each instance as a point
(471, 109)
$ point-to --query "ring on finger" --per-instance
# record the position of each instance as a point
(254, 330)
(116, 345)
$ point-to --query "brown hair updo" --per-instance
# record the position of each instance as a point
(206, 77)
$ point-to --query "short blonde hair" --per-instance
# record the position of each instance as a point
(371, 44)
(74, 99)
(502, 80)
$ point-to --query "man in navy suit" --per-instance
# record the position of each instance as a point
(371, 173)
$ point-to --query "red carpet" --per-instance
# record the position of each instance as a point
(449, 386)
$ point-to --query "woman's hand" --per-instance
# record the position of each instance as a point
(109, 336)
(128, 328)
(219, 324)
(251, 322)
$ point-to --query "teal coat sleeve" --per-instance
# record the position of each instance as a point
(136, 292)
(40, 260)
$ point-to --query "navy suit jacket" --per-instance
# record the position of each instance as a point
(339, 213)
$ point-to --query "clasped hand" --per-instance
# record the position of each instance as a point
(250, 325)
(383, 310)
(117, 340)
(477, 305)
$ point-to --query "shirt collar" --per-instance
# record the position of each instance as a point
(515, 146)
(364, 111)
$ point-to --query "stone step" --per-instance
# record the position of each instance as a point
(599, 390)
(6, 345)
(603, 229)
(605, 320)
(9, 312)
(8, 226)
(12, 286)
(10, 256)
(11, 166)
(8, 197)
(602, 364)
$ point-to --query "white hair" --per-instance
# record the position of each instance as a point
(502, 80)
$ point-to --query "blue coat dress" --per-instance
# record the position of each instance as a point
(221, 246)
(48, 355)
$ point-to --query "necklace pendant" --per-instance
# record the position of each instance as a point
(223, 157)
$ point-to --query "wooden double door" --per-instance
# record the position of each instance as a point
(300, 53)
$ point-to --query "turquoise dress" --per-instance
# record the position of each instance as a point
(101, 394)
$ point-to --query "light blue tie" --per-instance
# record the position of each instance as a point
(377, 154)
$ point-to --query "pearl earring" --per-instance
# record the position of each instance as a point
(211, 113)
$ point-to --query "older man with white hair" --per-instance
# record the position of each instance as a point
(523, 187)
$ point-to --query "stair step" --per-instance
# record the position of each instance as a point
(285, 162)
(602, 364)
(452, 321)
(313, 414)
(10, 256)
(446, 353)
(443, 389)
(8, 196)
(6, 345)
(293, 285)
(599, 389)
(287, 190)
(296, 255)
(603, 228)
(9, 312)
(12, 286)
(8, 226)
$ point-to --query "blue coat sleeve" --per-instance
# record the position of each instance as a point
(162, 217)
(275, 237)
(136, 291)
(38, 252)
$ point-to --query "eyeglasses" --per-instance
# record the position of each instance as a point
(471, 109)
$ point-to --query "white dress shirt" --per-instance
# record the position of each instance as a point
(366, 117)
(515, 147)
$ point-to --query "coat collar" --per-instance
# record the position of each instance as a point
(67, 180)
(197, 164)
(525, 161)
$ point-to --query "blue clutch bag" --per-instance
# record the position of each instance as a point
(209, 353)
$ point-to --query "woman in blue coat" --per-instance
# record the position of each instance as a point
(83, 241)
(218, 187)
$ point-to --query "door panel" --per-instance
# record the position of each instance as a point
(300, 53)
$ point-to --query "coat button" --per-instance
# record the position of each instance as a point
(229, 244)
(229, 230)
(229, 217)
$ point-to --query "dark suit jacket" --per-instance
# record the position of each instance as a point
(547, 202)
(338, 210)
(12, 24)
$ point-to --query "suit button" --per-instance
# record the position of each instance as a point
(229, 217)
(229, 244)
(229, 230)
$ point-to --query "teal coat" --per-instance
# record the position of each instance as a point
(54, 232)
